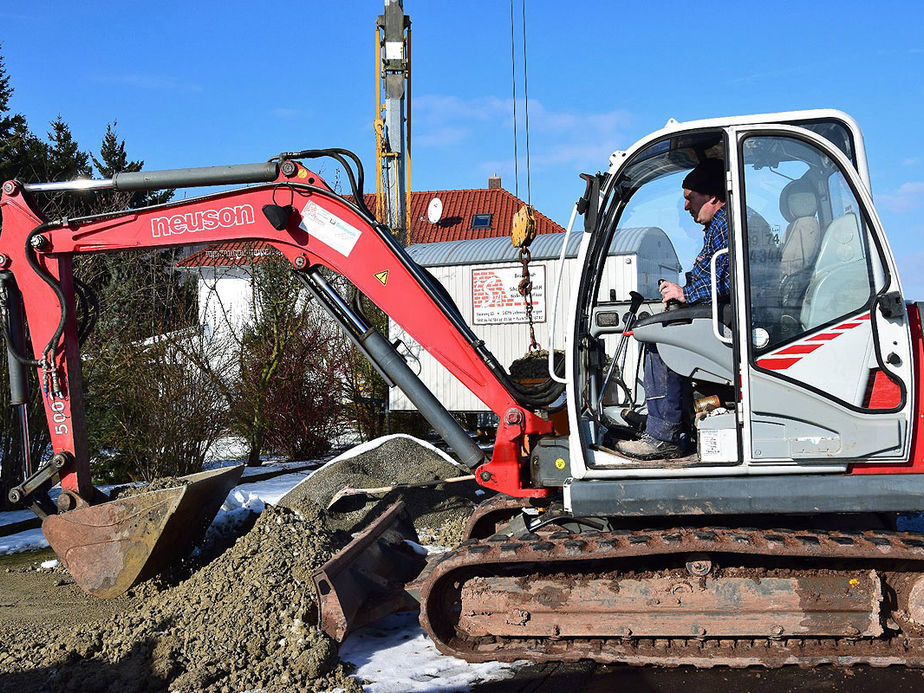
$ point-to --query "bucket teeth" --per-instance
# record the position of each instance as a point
(366, 580)
(109, 547)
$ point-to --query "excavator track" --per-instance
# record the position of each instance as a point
(699, 597)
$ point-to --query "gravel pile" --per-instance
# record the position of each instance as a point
(155, 485)
(438, 513)
(245, 621)
(241, 614)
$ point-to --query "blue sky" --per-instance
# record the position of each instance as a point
(205, 83)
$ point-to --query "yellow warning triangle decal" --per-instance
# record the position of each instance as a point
(382, 277)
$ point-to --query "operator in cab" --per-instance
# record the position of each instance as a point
(668, 395)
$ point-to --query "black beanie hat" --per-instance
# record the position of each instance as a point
(708, 178)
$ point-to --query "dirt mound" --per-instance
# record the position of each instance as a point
(535, 365)
(238, 615)
(396, 460)
(124, 492)
(242, 622)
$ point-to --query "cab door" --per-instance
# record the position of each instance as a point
(826, 366)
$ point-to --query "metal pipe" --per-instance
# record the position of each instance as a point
(170, 178)
(379, 125)
(15, 332)
(80, 184)
(320, 284)
(354, 327)
(407, 172)
(388, 361)
(25, 439)
(554, 318)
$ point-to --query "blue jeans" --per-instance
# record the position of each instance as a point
(668, 396)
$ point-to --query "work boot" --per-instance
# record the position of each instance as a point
(649, 448)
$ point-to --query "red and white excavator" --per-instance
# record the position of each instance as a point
(774, 541)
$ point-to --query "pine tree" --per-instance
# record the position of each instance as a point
(112, 157)
(19, 148)
(139, 294)
(133, 290)
(60, 159)
(11, 125)
(65, 160)
(112, 160)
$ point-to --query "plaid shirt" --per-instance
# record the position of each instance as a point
(699, 279)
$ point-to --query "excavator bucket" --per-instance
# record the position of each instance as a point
(366, 580)
(109, 547)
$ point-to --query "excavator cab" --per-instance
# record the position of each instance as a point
(806, 366)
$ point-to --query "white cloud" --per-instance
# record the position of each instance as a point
(147, 81)
(605, 123)
(445, 136)
(908, 197)
(566, 156)
(911, 161)
(438, 109)
(778, 75)
(557, 137)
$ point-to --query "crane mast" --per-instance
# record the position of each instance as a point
(393, 118)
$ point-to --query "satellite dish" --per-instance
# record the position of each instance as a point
(435, 210)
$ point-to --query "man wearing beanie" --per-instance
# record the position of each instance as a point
(668, 394)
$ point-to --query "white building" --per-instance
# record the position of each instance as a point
(482, 275)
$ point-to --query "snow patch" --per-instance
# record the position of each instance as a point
(418, 549)
(378, 442)
(241, 501)
(14, 516)
(394, 655)
(30, 540)
(253, 498)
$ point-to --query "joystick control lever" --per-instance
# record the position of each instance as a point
(672, 303)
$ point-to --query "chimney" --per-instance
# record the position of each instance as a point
(494, 182)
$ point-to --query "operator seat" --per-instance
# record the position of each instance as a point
(800, 243)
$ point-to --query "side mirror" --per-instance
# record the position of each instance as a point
(589, 203)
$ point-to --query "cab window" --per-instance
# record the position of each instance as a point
(808, 262)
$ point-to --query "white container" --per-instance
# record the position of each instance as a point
(482, 275)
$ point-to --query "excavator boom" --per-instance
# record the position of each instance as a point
(113, 544)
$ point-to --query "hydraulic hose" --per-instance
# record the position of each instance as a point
(48, 279)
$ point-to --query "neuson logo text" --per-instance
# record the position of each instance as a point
(202, 220)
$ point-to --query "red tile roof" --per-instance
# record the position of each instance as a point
(459, 206)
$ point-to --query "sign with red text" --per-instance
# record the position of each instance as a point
(496, 301)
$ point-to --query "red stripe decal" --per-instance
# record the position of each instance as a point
(776, 364)
(806, 346)
(798, 349)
